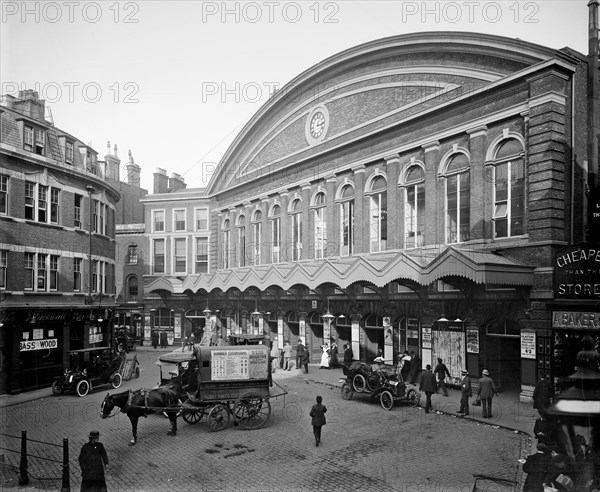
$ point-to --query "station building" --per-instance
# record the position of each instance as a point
(419, 185)
(57, 255)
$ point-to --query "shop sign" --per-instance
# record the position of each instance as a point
(426, 338)
(28, 345)
(577, 272)
(528, 344)
(97, 338)
(575, 319)
(473, 340)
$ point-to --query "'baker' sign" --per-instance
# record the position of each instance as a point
(577, 272)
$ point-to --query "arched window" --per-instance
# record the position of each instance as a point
(241, 251)
(319, 209)
(226, 243)
(509, 189)
(378, 214)
(414, 208)
(275, 234)
(257, 236)
(132, 288)
(458, 196)
(296, 213)
(347, 220)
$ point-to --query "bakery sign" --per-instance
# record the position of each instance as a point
(577, 272)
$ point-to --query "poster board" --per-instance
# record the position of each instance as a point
(238, 364)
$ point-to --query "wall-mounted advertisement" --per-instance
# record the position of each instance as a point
(472, 341)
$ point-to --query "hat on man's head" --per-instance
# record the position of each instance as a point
(464, 371)
(485, 372)
(543, 447)
(94, 434)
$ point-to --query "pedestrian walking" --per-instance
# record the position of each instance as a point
(486, 391)
(537, 467)
(415, 368)
(317, 412)
(348, 355)
(287, 355)
(305, 359)
(466, 392)
(333, 355)
(299, 350)
(324, 357)
(92, 460)
(543, 394)
(441, 371)
(428, 386)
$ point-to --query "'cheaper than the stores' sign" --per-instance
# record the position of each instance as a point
(577, 272)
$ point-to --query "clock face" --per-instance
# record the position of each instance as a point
(317, 124)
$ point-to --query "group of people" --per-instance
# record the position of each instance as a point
(159, 338)
(329, 358)
(302, 356)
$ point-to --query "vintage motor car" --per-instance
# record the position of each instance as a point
(381, 381)
(90, 367)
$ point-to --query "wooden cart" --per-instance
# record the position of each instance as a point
(224, 383)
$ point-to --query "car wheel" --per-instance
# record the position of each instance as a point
(386, 399)
(413, 398)
(121, 347)
(359, 383)
(136, 373)
(57, 388)
(83, 387)
(347, 392)
(116, 380)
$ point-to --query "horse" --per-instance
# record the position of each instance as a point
(141, 403)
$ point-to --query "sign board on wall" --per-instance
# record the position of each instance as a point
(472, 340)
(528, 344)
(27, 345)
(426, 338)
(575, 319)
(577, 272)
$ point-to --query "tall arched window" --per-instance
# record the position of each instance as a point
(276, 234)
(509, 189)
(257, 233)
(241, 250)
(347, 220)
(296, 213)
(319, 209)
(458, 195)
(226, 243)
(414, 208)
(378, 214)
(132, 288)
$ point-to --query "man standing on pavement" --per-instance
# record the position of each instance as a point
(305, 359)
(428, 386)
(287, 355)
(299, 350)
(441, 372)
(93, 459)
(542, 395)
(487, 390)
(466, 392)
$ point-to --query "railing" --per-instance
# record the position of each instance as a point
(45, 466)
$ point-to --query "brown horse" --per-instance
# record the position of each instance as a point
(141, 403)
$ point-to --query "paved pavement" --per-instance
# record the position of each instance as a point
(363, 448)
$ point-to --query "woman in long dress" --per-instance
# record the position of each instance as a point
(333, 357)
(325, 357)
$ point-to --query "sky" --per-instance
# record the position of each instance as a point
(175, 81)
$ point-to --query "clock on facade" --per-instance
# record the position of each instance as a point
(317, 124)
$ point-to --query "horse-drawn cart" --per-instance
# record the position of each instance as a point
(223, 383)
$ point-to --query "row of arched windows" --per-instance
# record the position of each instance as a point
(507, 219)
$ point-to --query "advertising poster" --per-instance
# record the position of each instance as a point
(528, 344)
(239, 364)
(426, 338)
(473, 341)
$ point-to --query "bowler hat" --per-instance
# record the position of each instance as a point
(464, 371)
(485, 372)
(94, 434)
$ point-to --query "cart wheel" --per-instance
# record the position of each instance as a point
(413, 398)
(359, 383)
(386, 399)
(136, 373)
(192, 416)
(120, 347)
(347, 392)
(57, 389)
(83, 387)
(116, 380)
(218, 417)
(251, 411)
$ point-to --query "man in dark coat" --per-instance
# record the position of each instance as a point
(543, 394)
(93, 459)
(466, 392)
(317, 412)
(441, 371)
(305, 359)
(537, 467)
(428, 386)
(299, 350)
(415, 368)
(348, 355)
(487, 390)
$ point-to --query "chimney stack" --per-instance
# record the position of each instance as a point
(133, 172)
(29, 104)
(161, 181)
(176, 183)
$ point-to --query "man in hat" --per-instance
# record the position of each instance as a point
(487, 390)
(543, 394)
(466, 392)
(537, 466)
(299, 350)
(93, 459)
(428, 386)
